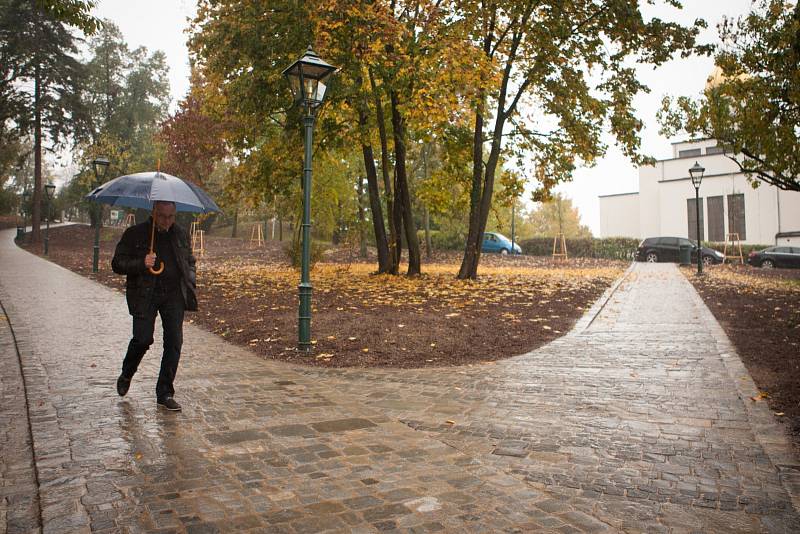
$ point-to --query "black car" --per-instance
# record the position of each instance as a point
(787, 257)
(668, 249)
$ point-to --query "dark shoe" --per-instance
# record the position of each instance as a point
(170, 404)
(123, 384)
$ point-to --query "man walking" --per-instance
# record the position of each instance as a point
(169, 294)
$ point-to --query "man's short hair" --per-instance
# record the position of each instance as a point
(166, 202)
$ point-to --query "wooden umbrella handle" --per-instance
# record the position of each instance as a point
(152, 241)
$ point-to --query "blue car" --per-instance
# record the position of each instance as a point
(494, 242)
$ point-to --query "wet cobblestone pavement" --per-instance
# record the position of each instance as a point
(635, 422)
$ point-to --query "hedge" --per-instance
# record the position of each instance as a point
(613, 248)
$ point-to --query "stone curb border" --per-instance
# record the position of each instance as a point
(21, 343)
(50, 443)
(768, 432)
(591, 314)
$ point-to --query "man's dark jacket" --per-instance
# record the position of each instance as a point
(129, 260)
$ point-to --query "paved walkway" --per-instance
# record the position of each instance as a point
(639, 420)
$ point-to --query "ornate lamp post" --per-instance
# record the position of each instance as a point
(100, 165)
(307, 78)
(696, 172)
(48, 193)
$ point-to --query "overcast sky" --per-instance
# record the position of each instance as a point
(161, 25)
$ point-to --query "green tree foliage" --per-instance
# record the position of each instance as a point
(126, 96)
(752, 104)
(75, 13)
(240, 48)
(42, 80)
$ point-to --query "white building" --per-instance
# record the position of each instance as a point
(665, 203)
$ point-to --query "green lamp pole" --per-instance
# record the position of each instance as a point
(100, 165)
(307, 78)
(48, 192)
(696, 172)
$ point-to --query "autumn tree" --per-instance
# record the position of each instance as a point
(193, 140)
(557, 216)
(562, 74)
(751, 106)
(244, 90)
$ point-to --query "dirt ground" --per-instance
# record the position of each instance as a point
(759, 310)
(249, 296)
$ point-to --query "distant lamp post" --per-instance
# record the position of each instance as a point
(513, 228)
(307, 78)
(100, 165)
(696, 172)
(26, 197)
(49, 191)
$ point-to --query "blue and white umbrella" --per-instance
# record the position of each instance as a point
(140, 190)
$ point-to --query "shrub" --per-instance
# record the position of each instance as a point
(442, 240)
(746, 249)
(294, 251)
(613, 248)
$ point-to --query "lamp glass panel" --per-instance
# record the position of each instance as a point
(294, 83)
(320, 96)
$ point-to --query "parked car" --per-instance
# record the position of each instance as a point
(667, 249)
(494, 242)
(787, 257)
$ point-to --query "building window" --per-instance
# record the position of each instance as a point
(736, 222)
(716, 219)
(692, 213)
(715, 150)
(692, 152)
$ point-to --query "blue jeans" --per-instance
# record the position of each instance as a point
(169, 304)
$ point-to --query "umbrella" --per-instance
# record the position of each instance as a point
(140, 190)
(143, 189)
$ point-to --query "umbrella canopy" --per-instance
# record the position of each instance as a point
(140, 190)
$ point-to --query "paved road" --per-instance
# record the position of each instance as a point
(638, 420)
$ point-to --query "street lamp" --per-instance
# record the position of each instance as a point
(513, 233)
(26, 198)
(696, 172)
(100, 165)
(48, 193)
(307, 78)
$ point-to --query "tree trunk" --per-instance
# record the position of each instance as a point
(36, 235)
(426, 215)
(395, 243)
(384, 256)
(235, 221)
(362, 230)
(401, 190)
(428, 245)
(472, 249)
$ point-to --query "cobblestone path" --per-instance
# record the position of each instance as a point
(638, 420)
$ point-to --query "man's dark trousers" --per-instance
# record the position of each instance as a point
(168, 302)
